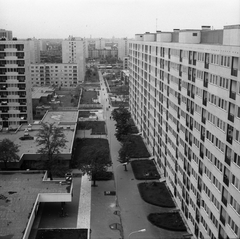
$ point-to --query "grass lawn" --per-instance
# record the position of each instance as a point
(87, 97)
(144, 169)
(156, 193)
(62, 234)
(170, 221)
(137, 148)
(98, 127)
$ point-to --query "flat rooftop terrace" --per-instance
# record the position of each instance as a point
(18, 194)
(61, 117)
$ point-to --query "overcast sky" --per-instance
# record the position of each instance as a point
(108, 18)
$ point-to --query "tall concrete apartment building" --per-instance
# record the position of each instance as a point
(34, 50)
(15, 84)
(185, 99)
(73, 51)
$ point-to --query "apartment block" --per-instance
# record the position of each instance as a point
(73, 51)
(15, 84)
(123, 48)
(185, 99)
(54, 74)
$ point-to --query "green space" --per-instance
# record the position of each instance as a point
(169, 220)
(144, 169)
(88, 96)
(137, 148)
(84, 114)
(98, 127)
(62, 234)
(68, 98)
(91, 75)
(156, 193)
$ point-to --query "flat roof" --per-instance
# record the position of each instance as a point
(18, 195)
(65, 119)
(38, 92)
(61, 116)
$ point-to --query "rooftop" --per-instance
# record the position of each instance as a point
(65, 119)
(19, 193)
(38, 92)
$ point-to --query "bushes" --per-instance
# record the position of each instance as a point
(144, 169)
(170, 221)
(156, 193)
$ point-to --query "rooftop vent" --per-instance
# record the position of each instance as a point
(176, 30)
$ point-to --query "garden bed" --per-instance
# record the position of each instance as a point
(170, 221)
(137, 148)
(87, 97)
(62, 234)
(98, 127)
(144, 169)
(156, 193)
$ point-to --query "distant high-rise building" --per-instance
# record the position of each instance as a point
(185, 100)
(15, 84)
(34, 50)
(123, 48)
(73, 51)
(5, 34)
(100, 44)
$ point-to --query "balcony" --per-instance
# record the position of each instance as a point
(231, 117)
(229, 134)
(234, 72)
(204, 101)
(224, 200)
(232, 95)
(222, 219)
(205, 83)
(226, 179)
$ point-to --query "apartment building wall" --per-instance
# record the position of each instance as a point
(15, 84)
(65, 75)
(73, 51)
(185, 99)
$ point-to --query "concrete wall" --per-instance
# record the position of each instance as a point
(212, 37)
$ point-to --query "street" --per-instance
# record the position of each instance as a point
(133, 209)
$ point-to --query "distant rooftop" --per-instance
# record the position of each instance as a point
(19, 192)
(38, 92)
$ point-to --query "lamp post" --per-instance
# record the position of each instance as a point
(141, 230)
(116, 184)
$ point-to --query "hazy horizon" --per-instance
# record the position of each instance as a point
(58, 19)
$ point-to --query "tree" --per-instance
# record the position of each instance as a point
(123, 126)
(8, 151)
(94, 160)
(124, 152)
(51, 138)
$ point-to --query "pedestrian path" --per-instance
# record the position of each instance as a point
(83, 218)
